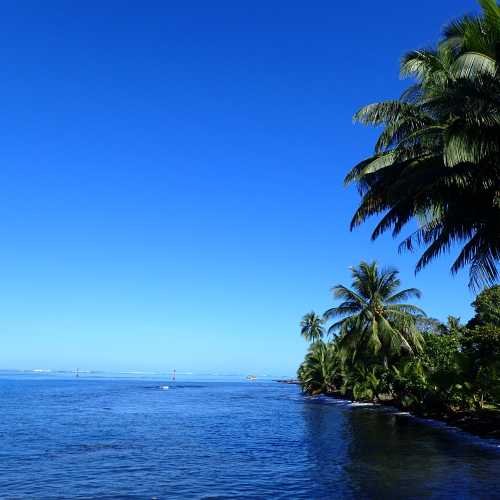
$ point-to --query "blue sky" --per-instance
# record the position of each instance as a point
(171, 181)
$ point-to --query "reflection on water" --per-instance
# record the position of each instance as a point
(119, 438)
(327, 448)
(379, 453)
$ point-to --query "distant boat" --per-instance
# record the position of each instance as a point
(251, 377)
(77, 374)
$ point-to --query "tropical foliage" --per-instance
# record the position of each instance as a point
(413, 361)
(373, 322)
(436, 162)
(319, 373)
(311, 327)
(437, 159)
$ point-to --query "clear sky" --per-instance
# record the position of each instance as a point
(171, 176)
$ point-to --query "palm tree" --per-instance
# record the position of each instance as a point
(311, 327)
(362, 381)
(438, 157)
(374, 325)
(476, 35)
(320, 371)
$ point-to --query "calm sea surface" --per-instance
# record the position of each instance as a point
(105, 438)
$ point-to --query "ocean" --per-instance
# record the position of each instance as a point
(131, 437)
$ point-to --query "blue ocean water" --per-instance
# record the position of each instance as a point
(128, 438)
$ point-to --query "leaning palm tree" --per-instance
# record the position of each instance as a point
(311, 327)
(371, 322)
(437, 159)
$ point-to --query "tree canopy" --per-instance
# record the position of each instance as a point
(437, 159)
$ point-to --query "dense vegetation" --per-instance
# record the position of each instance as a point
(436, 162)
(382, 349)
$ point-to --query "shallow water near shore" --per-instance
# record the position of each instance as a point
(206, 439)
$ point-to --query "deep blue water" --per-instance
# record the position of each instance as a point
(67, 438)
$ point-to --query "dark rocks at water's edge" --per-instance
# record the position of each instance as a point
(290, 381)
(483, 423)
(480, 423)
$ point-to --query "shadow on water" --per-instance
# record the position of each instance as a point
(382, 454)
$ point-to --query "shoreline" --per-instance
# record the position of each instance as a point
(483, 423)
(480, 423)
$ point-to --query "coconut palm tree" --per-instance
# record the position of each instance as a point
(476, 34)
(372, 323)
(311, 327)
(362, 381)
(438, 157)
(320, 371)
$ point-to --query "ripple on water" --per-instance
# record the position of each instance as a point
(121, 438)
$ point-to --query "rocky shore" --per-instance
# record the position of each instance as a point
(483, 423)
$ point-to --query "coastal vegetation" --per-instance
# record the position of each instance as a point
(384, 350)
(436, 163)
